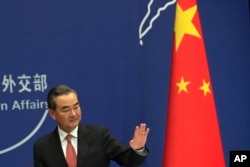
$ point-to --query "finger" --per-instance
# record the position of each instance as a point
(142, 126)
(144, 132)
(147, 131)
(140, 129)
(136, 130)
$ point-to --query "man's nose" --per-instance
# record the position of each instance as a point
(72, 112)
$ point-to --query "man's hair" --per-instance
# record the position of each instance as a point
(57, 91)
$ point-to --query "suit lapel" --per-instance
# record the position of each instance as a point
(84, 142)
(56, 149)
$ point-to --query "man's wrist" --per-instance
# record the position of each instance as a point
(140, 149)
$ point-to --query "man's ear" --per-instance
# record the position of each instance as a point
(52, 113)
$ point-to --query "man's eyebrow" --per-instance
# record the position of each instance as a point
(76, 104)
(65, 107)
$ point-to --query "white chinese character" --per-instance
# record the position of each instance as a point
(8, 82)
(24, 82)
(40, 83)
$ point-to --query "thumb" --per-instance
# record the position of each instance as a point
(131, 143)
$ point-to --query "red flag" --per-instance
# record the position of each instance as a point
(192, 130)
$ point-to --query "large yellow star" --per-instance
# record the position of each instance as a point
(182, 85)
(183, 24)
(205, 88)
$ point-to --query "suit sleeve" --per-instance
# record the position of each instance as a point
(36, 157)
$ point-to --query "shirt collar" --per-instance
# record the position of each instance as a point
(63, 134)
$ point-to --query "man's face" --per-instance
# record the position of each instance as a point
(67, 112)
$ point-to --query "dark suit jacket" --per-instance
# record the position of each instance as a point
(96, 147)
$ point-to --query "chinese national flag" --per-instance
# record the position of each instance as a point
(192, 130)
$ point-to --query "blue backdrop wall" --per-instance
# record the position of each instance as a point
(116, 54)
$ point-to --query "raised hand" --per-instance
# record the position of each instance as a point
(140, 137)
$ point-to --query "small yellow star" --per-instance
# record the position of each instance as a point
(205, 87)
(182, 85)
(183, 24)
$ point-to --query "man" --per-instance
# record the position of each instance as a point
(93, 146)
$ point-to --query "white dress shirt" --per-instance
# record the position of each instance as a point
(63, 139)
